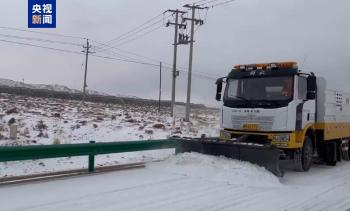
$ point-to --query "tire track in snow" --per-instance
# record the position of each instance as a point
(183, 196)
(323, 202)
(147, 189)
(307, 197)
(95, 195)
(238, 203)
(171, 193)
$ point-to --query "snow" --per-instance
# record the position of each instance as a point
(188, 182)
(53, 87)
(219, 169)
(100, 122)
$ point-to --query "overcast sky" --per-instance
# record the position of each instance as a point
(313, 32)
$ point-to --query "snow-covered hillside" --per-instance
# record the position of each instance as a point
(52, 87)
(56, 121)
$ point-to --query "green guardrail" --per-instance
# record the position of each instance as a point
(91, 149)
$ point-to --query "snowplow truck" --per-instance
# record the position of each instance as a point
(273, 112)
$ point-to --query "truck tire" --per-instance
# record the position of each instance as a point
(345, 149)
(332, 153)
(303, 156)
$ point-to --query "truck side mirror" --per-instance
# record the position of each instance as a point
(311, 87)
(218, 89)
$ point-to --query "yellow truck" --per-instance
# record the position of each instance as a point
(275, 111)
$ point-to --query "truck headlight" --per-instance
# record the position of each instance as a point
(281, 138)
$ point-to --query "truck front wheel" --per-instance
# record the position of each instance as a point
(303, 156)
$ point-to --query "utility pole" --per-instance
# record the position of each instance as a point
(193, 22)
(160, 85)
(86, 51)
(175, 73)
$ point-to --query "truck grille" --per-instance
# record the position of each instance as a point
(265, 122)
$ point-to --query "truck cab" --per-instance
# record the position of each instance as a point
(270, 103)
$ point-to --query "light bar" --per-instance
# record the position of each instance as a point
(266, 66)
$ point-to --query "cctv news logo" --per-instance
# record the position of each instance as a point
(41, 13)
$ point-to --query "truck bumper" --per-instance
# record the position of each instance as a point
(282, 140)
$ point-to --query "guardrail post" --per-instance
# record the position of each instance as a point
(91, 160)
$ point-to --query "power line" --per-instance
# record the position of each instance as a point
(221, 3)
(135, 35)
(165, 64)
(93, 55)
(39, 39)
(109, 52)
(134, 29)
(203, 76)
(154, 65)
(125, 60)
(76, 52)
(45, 33)
(128, 52)
(62, 42)
(141, 35)
(131, 53)
(138, 31)
(196, 73)
(130, 59)
(198, 1)
(115, 43)
(111, 48)
(211, 1)
(40, 46)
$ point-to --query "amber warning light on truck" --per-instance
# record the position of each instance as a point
(267, 66)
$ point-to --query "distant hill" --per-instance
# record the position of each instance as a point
(52, 87)
(64, 92)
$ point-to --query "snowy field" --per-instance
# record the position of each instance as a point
(188, 181)
(55, 121)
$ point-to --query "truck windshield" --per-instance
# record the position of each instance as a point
(259, 92)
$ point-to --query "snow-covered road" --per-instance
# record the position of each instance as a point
(188, 182)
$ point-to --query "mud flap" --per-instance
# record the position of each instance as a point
(262, 155)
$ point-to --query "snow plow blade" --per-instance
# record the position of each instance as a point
(267, 156)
